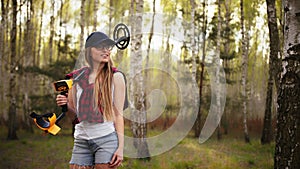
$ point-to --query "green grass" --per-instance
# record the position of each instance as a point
(35, 151)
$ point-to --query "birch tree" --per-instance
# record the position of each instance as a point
(82, 25)
(197, 126)
(110, 16)
(2, 30)
(217, 60)
(40, 35)
(244, 73)
(287, 149)
(27, 60)
(60, 12)
(138, 111)
(150, 34)
(146, 86)
(193, 46)
(2, 48)
(228, 54)
(12, 95)
(96, 4)
(273, 66)
(52, 33)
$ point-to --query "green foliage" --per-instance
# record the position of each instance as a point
(44, 102)
(65, 49)
(169, 6)
(227, 41)
(251, 10)
(119, 7)
(55, 71)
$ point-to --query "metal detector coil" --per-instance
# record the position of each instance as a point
(46, 122)
(121, 36)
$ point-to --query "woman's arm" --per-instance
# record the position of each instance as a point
(71, 106)
(62, 100)
(119, 98)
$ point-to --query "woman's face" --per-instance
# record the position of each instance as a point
(100, 54)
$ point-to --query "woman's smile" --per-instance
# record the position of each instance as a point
(100, 56)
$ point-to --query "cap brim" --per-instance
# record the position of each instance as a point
(105, 42)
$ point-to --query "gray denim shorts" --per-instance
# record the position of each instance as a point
(96, 151)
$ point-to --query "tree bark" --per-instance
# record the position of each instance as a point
(193, 47)
(21, 40)
(51, 37)
(230, 54)
(2, 30)
(110, 17)
(217, 60)
(12, 114)
(267, 126)
(287, 148)
(27, 60)
(59, 41)
(150, 35)
(2, 49)
(244, 74)
(146, 86)
(96, 4)
(273, 70)
(40, 36)
(82, 25)
(139, 114)
(166, 62)
(197, 127)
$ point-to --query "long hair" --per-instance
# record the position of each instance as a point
(102, 87)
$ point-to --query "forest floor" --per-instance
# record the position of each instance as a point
(39, 150)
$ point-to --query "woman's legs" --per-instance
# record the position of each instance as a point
(98, 151)
(82, 156)
(104, 148)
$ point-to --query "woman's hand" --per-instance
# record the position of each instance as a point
(61, 100)
(117, 158)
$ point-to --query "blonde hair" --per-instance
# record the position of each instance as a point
(102, 87)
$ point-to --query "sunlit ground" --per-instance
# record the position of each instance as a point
(39, 150)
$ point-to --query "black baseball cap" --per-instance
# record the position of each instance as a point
(97, 38)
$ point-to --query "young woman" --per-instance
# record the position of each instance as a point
(97, 100)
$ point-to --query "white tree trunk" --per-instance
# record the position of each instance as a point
(82, 25)
(217, 78)
(193, 42)
(287, 149)
(40, 35)
(138, 111)
(244, 74)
